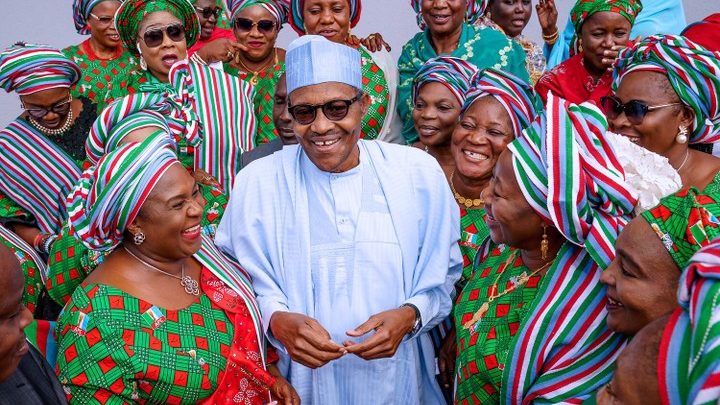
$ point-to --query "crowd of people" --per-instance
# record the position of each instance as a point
(191, 214)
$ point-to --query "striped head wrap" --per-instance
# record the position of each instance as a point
(689, 359)
(453, 73)
(278, 8)
(516, 96)
(170, 111)
(109, 196)
(28, 68)
(693, 72)
(81, 14)
(297, 21)
(583, 9)
(685, 222)
(475, 10)
(569, 174)
(132, 12)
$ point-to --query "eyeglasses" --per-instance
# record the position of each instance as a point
(634, 110)
(246, 25)
(334, 110)
(104, 21)
(61, 108)
(209, 12)
(154, 37)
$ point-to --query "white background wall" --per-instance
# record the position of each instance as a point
(50, 22)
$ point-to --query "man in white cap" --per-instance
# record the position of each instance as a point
(351, 244)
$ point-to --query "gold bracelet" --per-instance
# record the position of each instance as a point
(552, 36)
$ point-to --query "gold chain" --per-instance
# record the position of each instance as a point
(467, 202)
(253, 74)
(522, 280)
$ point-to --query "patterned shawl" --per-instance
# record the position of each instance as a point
(569, 174)
(693, 71)
(689, 359)
(132, 12)
(475, 10)
(297, 21)
(28, 68)
(516, 96)
(583, 9)
(109, 195)
(453, 73)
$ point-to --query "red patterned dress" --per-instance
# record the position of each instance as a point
(571, 81)
(483, 346)
(115, 349)
(97, 72)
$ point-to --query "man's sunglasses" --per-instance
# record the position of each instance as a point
(634, 110)
(154, 36)
(334, 110)
(246, 25)
(208, 12)
(61, 108)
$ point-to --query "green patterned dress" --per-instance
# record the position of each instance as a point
(483, 47)
(264, 99)
(473, 231)
(483, 347)
(31, 263)
(376, 86)
(115, 348)
(97, 72)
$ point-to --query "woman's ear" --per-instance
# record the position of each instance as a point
(687, 118)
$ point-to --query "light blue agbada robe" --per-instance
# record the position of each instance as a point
(268, 228)
(656, 17)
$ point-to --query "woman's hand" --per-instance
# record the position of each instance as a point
(204, 178)
(547, 15)
(373, 42)
(610, 56)
(446, 359)
(282, 391)
(220, 50)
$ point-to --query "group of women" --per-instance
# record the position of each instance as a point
(117, 171)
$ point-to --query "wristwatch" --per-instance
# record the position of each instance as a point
(418, 320)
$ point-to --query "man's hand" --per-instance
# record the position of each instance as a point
(306, 341)
(390, 328)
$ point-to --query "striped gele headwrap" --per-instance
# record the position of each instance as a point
(278, 8)
(693, 72)
(109, 196)
(29, 68)
(453, 73)
(514, 94)
(689, 359)
(81, 13)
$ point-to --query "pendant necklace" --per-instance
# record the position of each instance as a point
(191, 286)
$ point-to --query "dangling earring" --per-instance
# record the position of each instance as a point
(544, 244)
(143, 64)
(682, 137)
(139, 238)
(580, 47)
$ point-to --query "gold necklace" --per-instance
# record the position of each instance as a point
(190, 285)
(253, 74)
(467, 202)
(516, 282)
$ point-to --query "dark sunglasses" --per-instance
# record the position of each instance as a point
(154, 37)
(61, 108)
(209, 12)
(334, 110)
(634, 110)
(246, 25)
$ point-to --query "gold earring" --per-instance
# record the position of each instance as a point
(544, 244)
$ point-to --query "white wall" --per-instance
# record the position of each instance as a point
(50, 22)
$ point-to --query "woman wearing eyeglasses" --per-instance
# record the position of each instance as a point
(42, 151)
(159, 32)
(666, 97)
(333, 20)
(102, 56)
(214, 42)
(256, 24)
